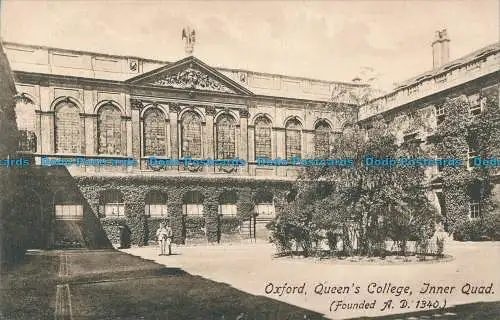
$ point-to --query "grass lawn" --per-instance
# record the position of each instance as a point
(108, 284)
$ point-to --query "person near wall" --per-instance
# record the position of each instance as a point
(169, 235)
(161, 235)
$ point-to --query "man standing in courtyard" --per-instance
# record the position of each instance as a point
(169, 239)
(161, 235)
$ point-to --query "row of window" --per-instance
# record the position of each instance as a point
(476, 105)
(157, 210)
(67, 133)
(161, 210)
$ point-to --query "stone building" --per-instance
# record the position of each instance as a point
(128, 119)
(416, 106)
(125, 120)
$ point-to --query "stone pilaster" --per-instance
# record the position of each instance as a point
(90, 121)
(47, 131)
(210, 114)
(124, 138)
(136, 106)
(174, 130)
(280, 151)
(83, 136)
(38, 131)
(243, 154)
(209, 136)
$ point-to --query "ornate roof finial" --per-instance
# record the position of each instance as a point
(189, 36)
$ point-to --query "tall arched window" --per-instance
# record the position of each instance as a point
(155, 133)
(262, 138)
(293, 138)
(26, 119)
(109, 130)
(67, 128)
(191, 135)
(322, 136)
(226, 137)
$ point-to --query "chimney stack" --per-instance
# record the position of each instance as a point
(440, 49)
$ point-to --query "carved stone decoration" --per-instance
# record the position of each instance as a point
(193, 168)
(133, 64)
(136, 104)
(244, 113)
(192, 79)
(210, 110)
(175, 107)
(227, 169)
(24, 98)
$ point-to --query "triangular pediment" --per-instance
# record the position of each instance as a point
(190, 74)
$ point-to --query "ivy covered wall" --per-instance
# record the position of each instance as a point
(210, 226)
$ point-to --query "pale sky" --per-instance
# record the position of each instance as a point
(330, 40)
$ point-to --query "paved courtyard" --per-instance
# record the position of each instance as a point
(331, 288)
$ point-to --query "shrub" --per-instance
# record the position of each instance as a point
(439, 247)
(484, 229)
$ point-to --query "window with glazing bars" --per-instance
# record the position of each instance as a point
(67, 128)
(322, 139)
(263, 138)
(293, 139)
(155, 133)
(109, 130)
(191, 135)
(226, 137)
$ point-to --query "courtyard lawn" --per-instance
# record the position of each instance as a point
(108, 284)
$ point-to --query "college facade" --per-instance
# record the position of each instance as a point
(123, 121)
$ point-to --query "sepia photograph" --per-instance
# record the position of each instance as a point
(250, 160)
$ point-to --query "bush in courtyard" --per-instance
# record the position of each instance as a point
(483, 229)
(367, 205)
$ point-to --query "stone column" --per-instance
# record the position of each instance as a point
(209, 137)
(38, 131)
(90, 121)
(124, 137)
(174, 110)
(83, 134)
(280, 150)
(251, 149)
(243, 154)
(47, 131)
(136, 106)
